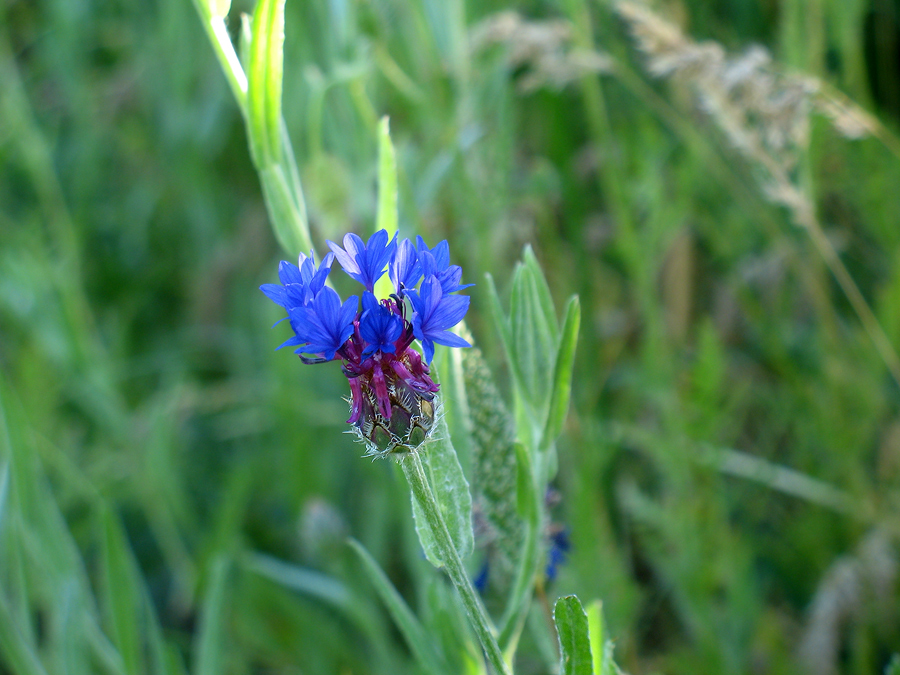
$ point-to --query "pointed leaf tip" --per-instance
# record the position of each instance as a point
(574, 642)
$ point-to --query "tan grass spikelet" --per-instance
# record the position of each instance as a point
(543, 48)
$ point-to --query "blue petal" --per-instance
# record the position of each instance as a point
(378, 326)
(449, 311)
(441, 252)
(347, 259)
(289, 273)
(404, 269)
(448, 339)
(290, 342)
(428, 346)
(275, 293)
(365, 262)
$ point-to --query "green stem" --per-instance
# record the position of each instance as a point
(418, 483)
(228, 58)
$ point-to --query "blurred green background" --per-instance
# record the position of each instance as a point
(729, 472)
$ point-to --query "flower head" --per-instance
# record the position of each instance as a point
(392, 406)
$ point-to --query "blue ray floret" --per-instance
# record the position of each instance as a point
(325, 324)
(379, 326)
(392, 393)
(404, 270)
(435, 314)
(436, 261)
(365, 262)
(300, 284)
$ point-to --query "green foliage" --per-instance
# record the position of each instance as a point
(574, 641)
(415, 635)
(451, 489)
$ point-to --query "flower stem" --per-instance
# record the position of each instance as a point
(224, 49)
(418, 483)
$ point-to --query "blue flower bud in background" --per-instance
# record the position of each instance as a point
(392, 396)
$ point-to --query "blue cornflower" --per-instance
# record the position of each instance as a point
(435, 313)
(301, 284)
(392, 396)
(378, 326)
(404, 269)
(365, 262)
(324, 325)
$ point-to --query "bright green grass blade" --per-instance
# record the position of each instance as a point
(418, 640)
(387, 179)
(596, 632)
(122, 596)
(574, 641)
(561, 388)
(451, 491)
(387, 195)
(210, 642)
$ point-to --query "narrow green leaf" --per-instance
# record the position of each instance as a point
(596, 632)
(274, 76)
(256, 73)
(533, 337)
(503, 328)
(209, 645)
(4, 496)
(445, 620)
(121, 596)
(387, 179)
(455, 397)
(451, 491)
(246, 41)
(18, 653)
(574, 641)
(418, 640)
(264, 82)
(561, 389)
(545, 300)
(165, 658)
(527, 497)
(387, 194)
(306, 581)
(288, 220)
